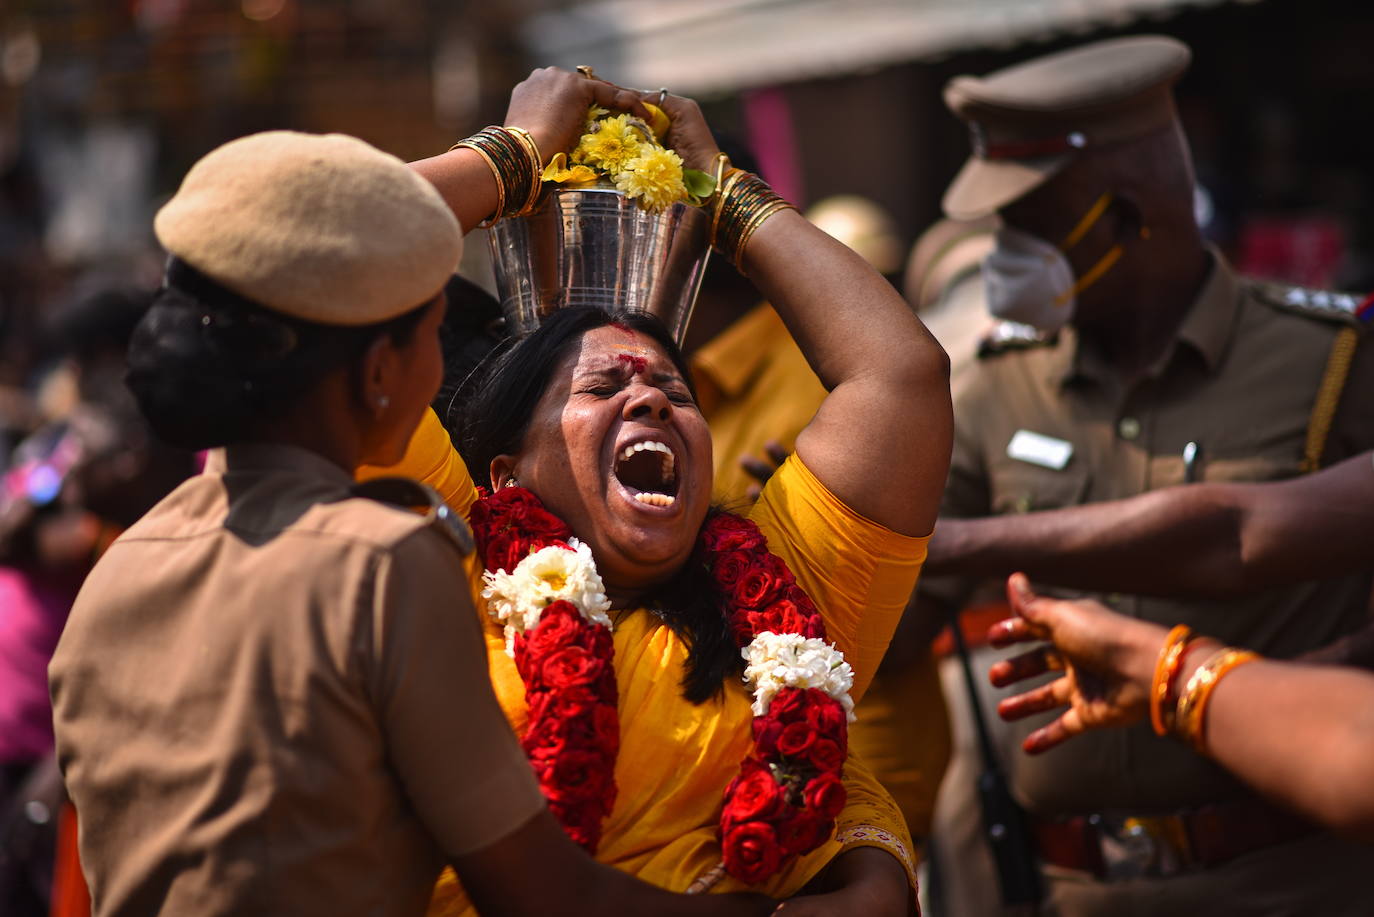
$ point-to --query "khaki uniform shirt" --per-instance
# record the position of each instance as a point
(272, 698)
(1239, 381)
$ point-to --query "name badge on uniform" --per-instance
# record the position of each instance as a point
(1039, 449)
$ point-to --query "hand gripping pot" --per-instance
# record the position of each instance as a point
(595, 246)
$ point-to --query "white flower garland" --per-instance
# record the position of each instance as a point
(777, 661)
(551, 574)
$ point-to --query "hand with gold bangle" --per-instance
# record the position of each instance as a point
(497, 172)
(1117, 670)
(1300, 734)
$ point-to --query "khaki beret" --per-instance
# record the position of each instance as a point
(321, 227)
(1030, 120)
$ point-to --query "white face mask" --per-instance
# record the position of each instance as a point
(1029, 280)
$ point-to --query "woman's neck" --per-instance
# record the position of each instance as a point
(320, 423)
(623, 599)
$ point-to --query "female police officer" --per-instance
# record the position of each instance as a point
(254, 694)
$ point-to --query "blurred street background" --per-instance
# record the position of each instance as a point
(105, 104)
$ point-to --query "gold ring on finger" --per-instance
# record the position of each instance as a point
(586, 71)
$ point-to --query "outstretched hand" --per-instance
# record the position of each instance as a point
(552, 105)
(1107, 661)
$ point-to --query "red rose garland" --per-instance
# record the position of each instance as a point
(788, 793)
(565, 663)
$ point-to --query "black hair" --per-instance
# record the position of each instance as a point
(471, 330)
(101, 321)
(208, 367)
(495, 409)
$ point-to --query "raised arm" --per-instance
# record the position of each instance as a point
(1207, 540)
(881, 439)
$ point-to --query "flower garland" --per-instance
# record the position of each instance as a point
(553, 606)
(788, 793)
(542, 585)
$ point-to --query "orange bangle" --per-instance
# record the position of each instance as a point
(1166, 667)
(1192, 706)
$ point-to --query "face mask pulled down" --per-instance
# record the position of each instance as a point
(1029, 280)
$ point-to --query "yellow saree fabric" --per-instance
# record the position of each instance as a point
(675, 757)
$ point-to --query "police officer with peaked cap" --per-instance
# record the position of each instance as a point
(1132, 357)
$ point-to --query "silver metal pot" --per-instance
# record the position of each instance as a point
(597, 247)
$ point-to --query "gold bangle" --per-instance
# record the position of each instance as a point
(1189, 723)
(496, 174)
(729, 177)
(536, 164)
(1166, 667)
(514, 159)
(749, 229)
(745, 202)
(719, 169)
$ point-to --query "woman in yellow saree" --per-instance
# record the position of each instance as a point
(566, 413)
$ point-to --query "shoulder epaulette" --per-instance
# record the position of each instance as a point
(410, 494)
(1006, 336)
(1324, 305)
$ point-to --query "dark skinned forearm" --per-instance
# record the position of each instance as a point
(1205, 540)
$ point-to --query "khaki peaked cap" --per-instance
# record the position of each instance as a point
(1029, 121)
(322, 227)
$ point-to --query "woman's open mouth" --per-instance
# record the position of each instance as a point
(648, 470)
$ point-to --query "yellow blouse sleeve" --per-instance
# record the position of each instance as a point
(871, 818)
(431, 458)
(860, 574)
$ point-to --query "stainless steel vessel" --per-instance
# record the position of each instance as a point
(597, 247)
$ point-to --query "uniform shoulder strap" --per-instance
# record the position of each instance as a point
(1354, 314)
(1004, 337)
(410, 494)
(1348, 309)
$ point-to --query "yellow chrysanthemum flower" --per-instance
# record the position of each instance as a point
(654, 177)
(611, 146)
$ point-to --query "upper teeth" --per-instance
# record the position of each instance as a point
(651, 445)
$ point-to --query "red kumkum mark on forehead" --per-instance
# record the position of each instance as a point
(637, 364)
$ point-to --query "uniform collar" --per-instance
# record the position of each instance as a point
(1206, 329)
(731, 359)
(242, 457)
(1210, 323)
